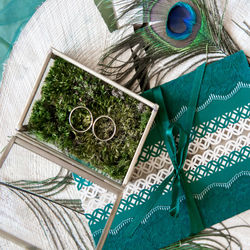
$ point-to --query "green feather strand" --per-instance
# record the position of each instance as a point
(146, 48)
(211, 239)
(48, 187)
(247, 31)
(37, 205)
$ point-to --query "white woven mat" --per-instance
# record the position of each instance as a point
(76, 28)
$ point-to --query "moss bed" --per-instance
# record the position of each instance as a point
(67, 86)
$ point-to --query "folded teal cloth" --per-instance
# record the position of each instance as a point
(203, 127)
(108, 14)
(14, 14)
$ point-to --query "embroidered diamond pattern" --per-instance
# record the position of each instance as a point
(154, 164)
(214, 166)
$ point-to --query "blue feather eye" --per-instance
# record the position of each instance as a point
(174, 22)
(180, 21)
(170, 33)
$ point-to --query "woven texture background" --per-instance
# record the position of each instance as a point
(74, 27)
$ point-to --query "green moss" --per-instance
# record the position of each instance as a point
(67, 86)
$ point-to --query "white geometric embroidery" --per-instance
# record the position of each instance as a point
(154, 171)
(195, 147)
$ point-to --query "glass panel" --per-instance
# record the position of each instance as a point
(33, 173)
(38, 194)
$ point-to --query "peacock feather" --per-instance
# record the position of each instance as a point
(171, 32)
(213, 238)
(49, 187)
(246, 29)
(59, 223)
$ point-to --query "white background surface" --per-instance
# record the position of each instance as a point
(76, 28)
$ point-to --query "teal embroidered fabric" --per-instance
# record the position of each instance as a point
(217, 168)
(81, 181)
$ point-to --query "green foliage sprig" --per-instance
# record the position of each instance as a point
(67, 86)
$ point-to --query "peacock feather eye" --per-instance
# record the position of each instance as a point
(180, 21)
(175, 22)
(171, 33)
